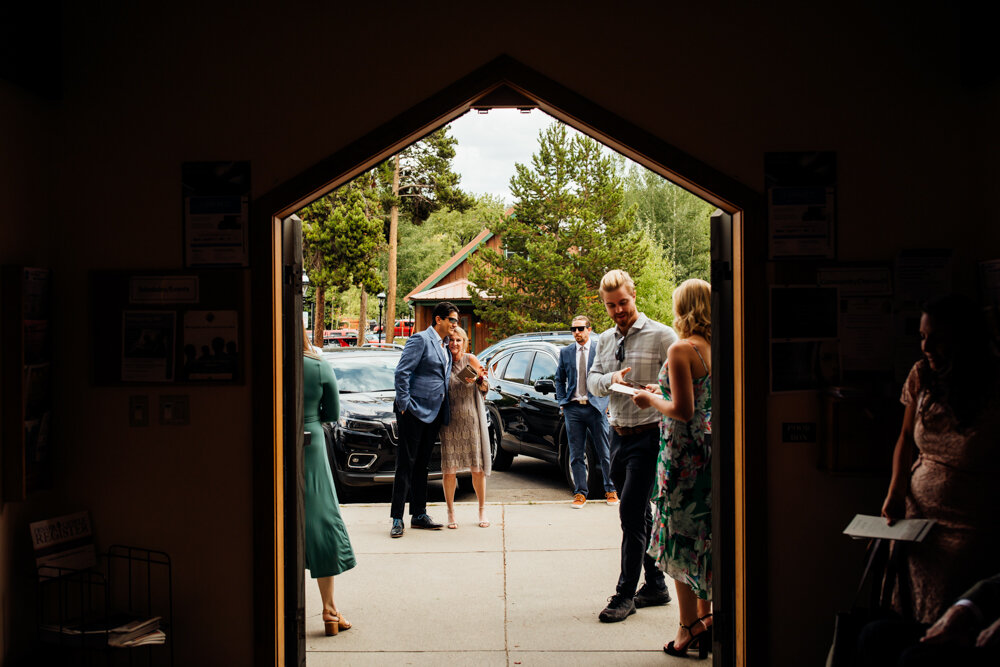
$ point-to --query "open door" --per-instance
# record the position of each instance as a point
(294, 480)
(724, 505)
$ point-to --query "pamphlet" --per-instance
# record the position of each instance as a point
(624, 389)
(467, 373)
(905, 530)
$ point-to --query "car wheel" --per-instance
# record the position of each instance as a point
(501, 459)
(595, 486)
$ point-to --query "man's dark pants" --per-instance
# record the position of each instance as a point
(579, 419)
(416, 440)
(633, 471)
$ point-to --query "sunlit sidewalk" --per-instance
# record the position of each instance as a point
(525, 591)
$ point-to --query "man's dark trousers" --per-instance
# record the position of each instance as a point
(579, 419)
(633, 471)
(416, 440)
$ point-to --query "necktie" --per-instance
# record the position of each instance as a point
(581, 375)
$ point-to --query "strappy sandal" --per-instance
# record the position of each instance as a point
(702, 640)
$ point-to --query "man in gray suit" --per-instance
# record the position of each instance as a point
(583, 412)
(421, 409)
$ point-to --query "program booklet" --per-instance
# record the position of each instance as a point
(905, 530)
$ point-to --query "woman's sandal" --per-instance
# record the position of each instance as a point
(451, 522)
(483, 523)
(703, 640)
(334, 623)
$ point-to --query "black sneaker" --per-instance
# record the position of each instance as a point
(651, 596)
(619, 608)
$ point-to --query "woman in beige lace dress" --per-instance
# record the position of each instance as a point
(465, 441)
(946, 464)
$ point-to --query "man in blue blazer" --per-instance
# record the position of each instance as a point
(421, 409)
(583, 412)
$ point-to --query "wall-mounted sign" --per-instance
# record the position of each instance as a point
(216, 213)
(801, 204)
(163, 289)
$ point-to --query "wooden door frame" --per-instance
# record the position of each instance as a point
(506, 83)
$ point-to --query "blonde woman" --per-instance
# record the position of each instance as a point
(681, 541)
(465, 441)
(328, 548)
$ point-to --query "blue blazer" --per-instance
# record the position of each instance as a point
(566, 376)
(422, 377)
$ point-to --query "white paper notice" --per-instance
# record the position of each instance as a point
(906, 530)
(624, 389)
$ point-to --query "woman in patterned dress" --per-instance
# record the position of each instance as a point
(947, 460)
(681, 540)
(465, 441)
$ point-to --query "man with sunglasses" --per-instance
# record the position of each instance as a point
(583, 412)
(631, 352)
(421, 409)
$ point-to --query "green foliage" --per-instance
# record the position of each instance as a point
(678, 219)
(570, 226)
(426, 180)
(341, 236)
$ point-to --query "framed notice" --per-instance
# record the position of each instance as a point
(801, 204)
(216, 199)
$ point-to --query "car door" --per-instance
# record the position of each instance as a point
(540, 410)
(512, 387)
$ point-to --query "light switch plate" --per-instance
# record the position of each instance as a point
(138, 410)
(175, 410)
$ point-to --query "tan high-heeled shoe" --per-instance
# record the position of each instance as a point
(331, 625)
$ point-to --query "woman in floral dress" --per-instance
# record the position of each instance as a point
(681, 541)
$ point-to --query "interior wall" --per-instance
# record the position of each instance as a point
(285, 86)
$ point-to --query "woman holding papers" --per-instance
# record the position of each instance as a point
(946, 464)
(682, 522)
(328, 548)
(465, 442)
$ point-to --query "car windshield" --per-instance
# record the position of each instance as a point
(357, 372)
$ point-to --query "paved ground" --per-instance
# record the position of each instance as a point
(525, 591)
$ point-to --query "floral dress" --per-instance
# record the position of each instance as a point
(681, 541)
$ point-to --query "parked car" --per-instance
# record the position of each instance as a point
(522, 410)
(403, 327)
(558, 337)
(383, 346)
(362, 443)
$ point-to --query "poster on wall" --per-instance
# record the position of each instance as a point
(801, 204)
(216, 213)
(148, 346)
(210, 345)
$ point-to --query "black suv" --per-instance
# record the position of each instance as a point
(362, 443)
(557, 337)
(523, 412)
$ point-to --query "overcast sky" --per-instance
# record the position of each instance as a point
(490, 144)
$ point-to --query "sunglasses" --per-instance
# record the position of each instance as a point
(577, 328)
(620, 351)
(453, 320)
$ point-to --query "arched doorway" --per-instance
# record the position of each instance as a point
(503, 83)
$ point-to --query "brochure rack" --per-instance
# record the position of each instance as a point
(78, 610)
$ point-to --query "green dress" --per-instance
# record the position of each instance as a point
(328, 548)
(681, 540)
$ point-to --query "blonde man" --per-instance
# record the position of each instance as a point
(631, 352)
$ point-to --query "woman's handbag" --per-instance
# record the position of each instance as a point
(880, 570)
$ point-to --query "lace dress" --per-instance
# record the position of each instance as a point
(954, 481)
(465, 440)
(681, 541)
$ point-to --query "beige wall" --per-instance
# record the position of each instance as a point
(284, 88)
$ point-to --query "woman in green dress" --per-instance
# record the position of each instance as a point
(681, 541)
(328, 548)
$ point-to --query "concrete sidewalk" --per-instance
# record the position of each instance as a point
(525, 591)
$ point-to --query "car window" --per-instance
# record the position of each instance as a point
(517, 367)
(358, 373)
(499, 365)
(544, 368)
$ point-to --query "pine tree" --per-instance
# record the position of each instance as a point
(416, 182)
(342, 241)
(570, 226)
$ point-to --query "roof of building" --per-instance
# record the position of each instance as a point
(450, 265)
(453, 291)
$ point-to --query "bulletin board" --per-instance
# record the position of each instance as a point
(168, 327)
